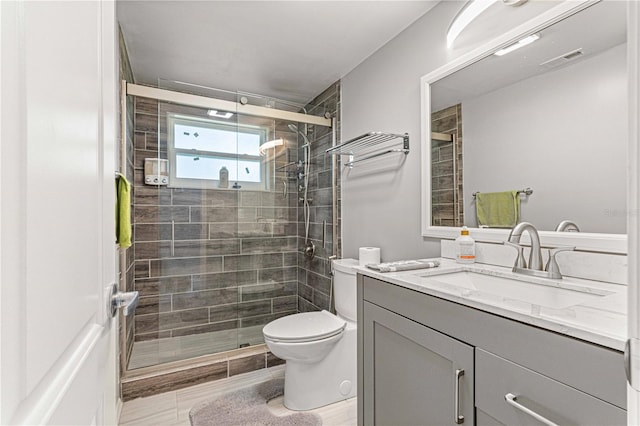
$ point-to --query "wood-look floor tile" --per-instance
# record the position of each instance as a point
(172, 408)
(154, 408)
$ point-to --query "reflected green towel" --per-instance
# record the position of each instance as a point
(123, 212)
(498, 209)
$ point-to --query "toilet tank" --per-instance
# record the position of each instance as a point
(344, 288)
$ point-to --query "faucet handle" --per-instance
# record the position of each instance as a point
(552, 265)
(520, 262)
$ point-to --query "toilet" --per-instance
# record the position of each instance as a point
(319, 347)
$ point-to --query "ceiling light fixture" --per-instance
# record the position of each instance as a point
(214, 113)
(515, 46)
(270, 144)
(468, 13)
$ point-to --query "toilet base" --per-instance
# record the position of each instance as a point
(333, 379)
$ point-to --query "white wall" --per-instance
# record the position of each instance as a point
(562, 133)
(381, 198)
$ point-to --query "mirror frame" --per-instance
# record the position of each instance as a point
(612, 243)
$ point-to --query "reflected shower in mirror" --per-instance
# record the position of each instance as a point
(551, 116)
(447, 203)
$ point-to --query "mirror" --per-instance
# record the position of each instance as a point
(548, 120)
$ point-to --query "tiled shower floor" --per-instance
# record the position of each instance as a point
(159, 351)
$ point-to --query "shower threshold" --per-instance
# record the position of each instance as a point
(148, 353)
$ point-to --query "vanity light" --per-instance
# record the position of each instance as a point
(515, 46)
(270, 144)
(470, 12)
(215, 113)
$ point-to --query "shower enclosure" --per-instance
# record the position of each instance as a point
(218, 252)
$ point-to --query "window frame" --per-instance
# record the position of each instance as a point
(174, 119)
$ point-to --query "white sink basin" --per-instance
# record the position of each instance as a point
(529, 291)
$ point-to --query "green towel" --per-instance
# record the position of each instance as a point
(498, 209)
(123, 212)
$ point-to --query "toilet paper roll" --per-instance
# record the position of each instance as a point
(369, 255)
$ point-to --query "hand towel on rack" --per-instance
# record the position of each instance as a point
(123, 211)
(498, 209)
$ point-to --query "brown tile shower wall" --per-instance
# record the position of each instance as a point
(314, 280)
(208, 260)
(448, 120)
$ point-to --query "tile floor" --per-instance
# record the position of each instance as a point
(172, 408)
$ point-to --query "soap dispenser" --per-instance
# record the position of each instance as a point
(465, 247)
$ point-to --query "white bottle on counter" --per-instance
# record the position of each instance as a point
(224, 178)
(465, 247)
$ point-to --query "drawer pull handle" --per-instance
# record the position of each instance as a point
(511, 400)
(458, 418)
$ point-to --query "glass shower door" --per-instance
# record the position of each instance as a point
(184, 233)
(267, 228)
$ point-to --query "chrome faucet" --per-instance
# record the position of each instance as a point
(535, 257)
(534, 267)
(567, 226)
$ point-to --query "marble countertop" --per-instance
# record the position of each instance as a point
(593, 311)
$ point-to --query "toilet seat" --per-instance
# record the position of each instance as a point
(304, 327)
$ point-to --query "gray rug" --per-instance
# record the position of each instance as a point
(248, 407)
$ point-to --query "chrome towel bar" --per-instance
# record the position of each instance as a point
(527, 191)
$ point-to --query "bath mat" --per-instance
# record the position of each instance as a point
(248, 407)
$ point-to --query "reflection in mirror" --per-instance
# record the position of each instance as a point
(447, 203)
(551, 116)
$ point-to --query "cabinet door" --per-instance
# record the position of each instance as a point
(414, 375)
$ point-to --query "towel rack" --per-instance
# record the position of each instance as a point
(527, 191)
(370, 145)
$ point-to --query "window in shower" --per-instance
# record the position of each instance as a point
(199, 149)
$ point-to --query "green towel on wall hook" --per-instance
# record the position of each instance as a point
(123, 211)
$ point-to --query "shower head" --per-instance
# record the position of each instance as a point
(294, 128)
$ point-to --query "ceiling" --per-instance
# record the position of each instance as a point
(290, 50)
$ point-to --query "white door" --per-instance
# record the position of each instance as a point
(57, 129)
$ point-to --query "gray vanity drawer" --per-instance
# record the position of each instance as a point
(559, 403)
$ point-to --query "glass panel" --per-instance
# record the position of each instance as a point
(184, 234)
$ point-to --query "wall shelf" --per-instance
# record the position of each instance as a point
(370, 145)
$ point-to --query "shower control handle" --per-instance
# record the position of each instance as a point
(128, 301)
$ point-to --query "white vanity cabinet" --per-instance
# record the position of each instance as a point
(424, 360)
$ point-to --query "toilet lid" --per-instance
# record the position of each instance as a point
(304, 327)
